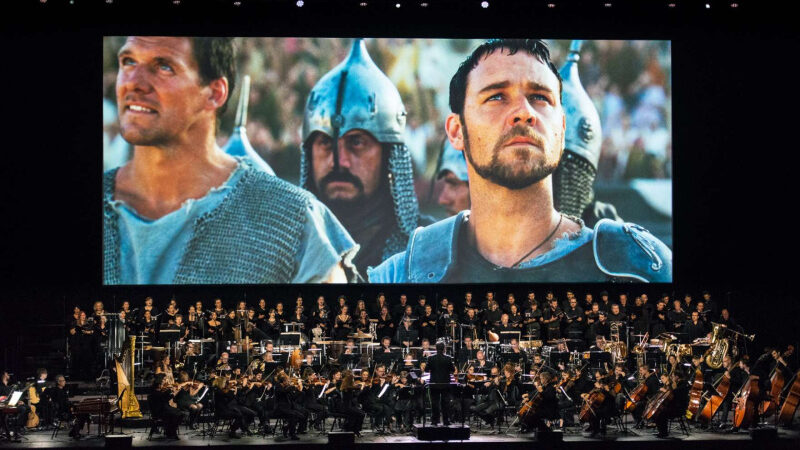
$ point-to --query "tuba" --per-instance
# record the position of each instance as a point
(718, 350)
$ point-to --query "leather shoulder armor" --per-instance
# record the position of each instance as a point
(628, 251)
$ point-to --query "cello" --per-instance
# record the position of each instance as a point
(790, 403)
(695, 395)
(777, 383)
(715, 400)
(746, 403)
(658, 404)
(637, 395)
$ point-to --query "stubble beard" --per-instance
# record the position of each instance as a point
(506, 175)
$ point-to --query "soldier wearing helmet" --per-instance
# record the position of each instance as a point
(354, 159)
(508, 119)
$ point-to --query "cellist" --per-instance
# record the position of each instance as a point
(603, 410)
(650, 380)
(676, 406)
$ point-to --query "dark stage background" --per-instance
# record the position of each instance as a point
(734, 130)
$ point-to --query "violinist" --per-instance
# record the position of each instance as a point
(650, 380)
(405, 406)
(187, 397)
(310, 400)
(350, 391)
(285, 390)
(487, 399)
(162, 406)
(227, 407)
(380, 407)
(163, 366)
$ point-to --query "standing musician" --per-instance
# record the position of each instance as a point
(738, 375)
(440, 367)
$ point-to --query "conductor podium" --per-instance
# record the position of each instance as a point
(441, 433)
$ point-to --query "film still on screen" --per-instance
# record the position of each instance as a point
(329, 160)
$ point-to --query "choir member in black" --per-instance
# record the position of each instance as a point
(448, 322)
(320, 316)
(385, 326)
(602, 327)
(419, 310)
(399, 310)
(343, 324)
(624, 306)
(533, 321)
(548, 405)
(187, 397)
(676, 406)
(380, 303)
(700, 307)
(487, 398)
(710, 306)
(194, 323)
(281, 314)
(272, 326)
(694, 329)
(592, 316)
(472, 324)
(504, 326)
(162, 406)
(492, 316)
(573, 320)
(83, 351)
(638, 318)
(213, 327)
(617, 314)
(551, 318)
(468, 304)
(350, 405)
(440, 367)
(602, 413)
(427, 324)
(362, 322)
(407, 335)
(229, 323)
(515, 318)
(285, 391)
(262, 311)
(169, 315)
(605, 304)
(219, 309)
(227, 407)
(676, 317)
(442, 306)
(659, 322)
(651, 381)
(299, 317)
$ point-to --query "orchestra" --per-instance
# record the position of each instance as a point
(521, 366)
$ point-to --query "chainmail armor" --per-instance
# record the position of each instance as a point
(573, 184)
(253, 236)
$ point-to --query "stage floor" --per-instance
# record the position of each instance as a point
(480, 438)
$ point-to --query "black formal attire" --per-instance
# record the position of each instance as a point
(653, 385)
(161, 409)
(440, 367)
(354, 414)
(284, 408)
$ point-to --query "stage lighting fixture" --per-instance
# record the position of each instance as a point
(551, 5)
(671, 5)
(734, 5)
(300, 3)
(708, 6)
(423, 4)
(362, 4)
(607, 5)
(397, 5)
(484, 4)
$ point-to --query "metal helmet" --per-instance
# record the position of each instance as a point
(238, 144)
(573, 181)
(356, 94)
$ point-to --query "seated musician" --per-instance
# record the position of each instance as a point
(467, 351)
(625, 385)
(517, 355)
(380, 407)
(602, 410)
(694, 328)
(162, 406)
(547, 410)
(285, 390)
(599, 344)
(310, 398)
(675, 407)
(481, 364)
(487, 399)
(651, 381)
(227, 407)
(6, 390)
(505, 325)
(407, 335)
(187, 397)
(350, 404)
(259, 400)
(59, 397)
(472, 323)
(223, 364)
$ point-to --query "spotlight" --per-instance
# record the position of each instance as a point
(397, 5)
(176, 2)
(484, 4)
(671, 5)
(423, 4)
(300, 3)
(362, 4)
(551, 5)
(237, 3)
(607, 5)
(734, 5)
(708, 6)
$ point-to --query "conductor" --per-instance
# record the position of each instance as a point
(441, 366)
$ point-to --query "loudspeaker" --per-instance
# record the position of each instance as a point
(451, 433)
(341, 438)
(119, 441)
(764, 434)
(555, 438)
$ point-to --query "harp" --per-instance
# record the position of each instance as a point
(128, 404)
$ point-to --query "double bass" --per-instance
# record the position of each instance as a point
(746, 403)
(790, 403)
(715, 400)
(777, 383)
